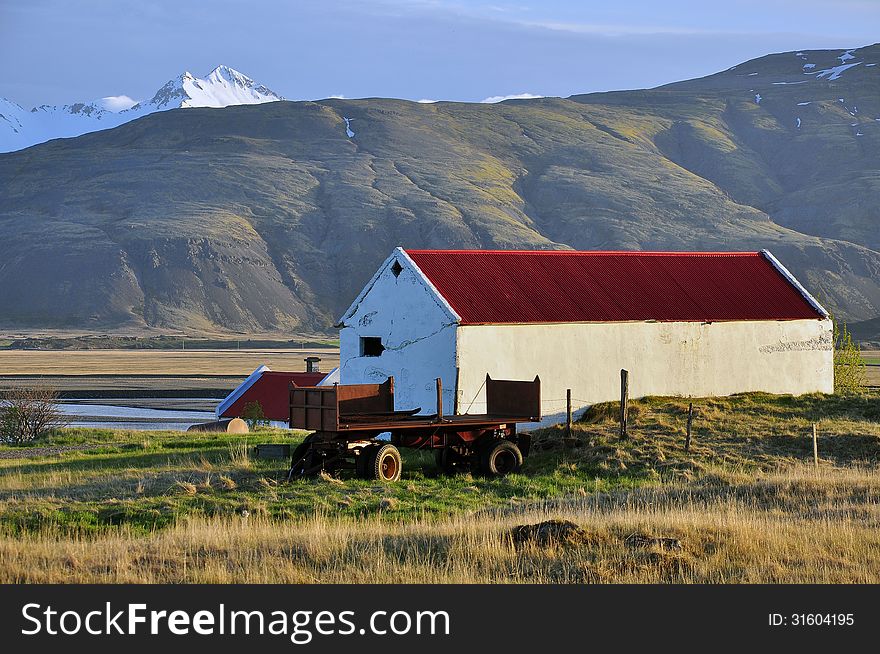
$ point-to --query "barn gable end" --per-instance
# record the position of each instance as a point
(400, 326)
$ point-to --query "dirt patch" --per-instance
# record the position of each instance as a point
(549, 533)
(664, 543)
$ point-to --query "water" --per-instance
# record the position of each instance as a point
(110, 416)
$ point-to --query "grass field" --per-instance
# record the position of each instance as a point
(744, 505)
(790, 527)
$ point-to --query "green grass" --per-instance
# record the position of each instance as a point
(148, 480)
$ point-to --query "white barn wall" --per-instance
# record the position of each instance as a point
(417, 331)
(683, 358)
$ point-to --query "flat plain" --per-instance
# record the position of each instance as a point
(159, 362)
(101, 373)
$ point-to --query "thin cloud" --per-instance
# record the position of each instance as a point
(516, 96)
(118, 102)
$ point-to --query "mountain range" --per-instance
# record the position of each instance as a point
(222, 87)
(270, 218)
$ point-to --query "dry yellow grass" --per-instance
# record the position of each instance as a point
(796, 526)
(159, 362)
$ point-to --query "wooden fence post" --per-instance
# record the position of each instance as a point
(624, 399)
(439, 383)
(815, 447)
(687, 441)
(568, 413)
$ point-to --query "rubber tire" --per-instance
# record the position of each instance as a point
(298, 452)
(444, 459)
(384, 458)
(499, 458)
(364, 462)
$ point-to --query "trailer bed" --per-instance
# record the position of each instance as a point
(347, 421)
(370, 408)
(355, 423)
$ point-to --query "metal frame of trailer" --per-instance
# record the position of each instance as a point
(347, 420)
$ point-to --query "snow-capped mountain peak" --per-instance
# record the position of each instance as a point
(225, 74)
(223, 86)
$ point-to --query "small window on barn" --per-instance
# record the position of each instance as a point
(396, 268)
(371, 346)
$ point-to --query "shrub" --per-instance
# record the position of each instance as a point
(849, 367)
(28, 412)
(253, 414)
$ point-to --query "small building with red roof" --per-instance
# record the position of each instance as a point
(269, 389)
(682, 323)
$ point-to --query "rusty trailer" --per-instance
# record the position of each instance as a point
(347, 422)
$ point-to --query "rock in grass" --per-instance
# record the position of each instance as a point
(549, 533)
(664, 543)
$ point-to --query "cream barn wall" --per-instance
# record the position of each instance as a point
(682, 358)
(417, 330)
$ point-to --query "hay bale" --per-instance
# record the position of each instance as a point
(233, 426)
(237, 426)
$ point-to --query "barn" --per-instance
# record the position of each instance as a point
(682, 323)
(268, 388)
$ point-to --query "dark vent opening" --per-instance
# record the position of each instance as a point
(313, 364)
(371, 346)
(396, 268)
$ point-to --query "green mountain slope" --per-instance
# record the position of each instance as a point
(270, 218)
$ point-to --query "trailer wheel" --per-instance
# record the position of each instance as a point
(446, 459)
(386, 463)
(298, 460)
(499, 458)
(364, 461)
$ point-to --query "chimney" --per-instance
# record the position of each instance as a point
(312, 364)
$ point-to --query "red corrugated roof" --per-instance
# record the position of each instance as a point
(503, 286)
(270, 390)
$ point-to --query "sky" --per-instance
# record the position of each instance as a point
(63, 51)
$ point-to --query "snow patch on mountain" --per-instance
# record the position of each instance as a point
(223, 87)
(833, 73)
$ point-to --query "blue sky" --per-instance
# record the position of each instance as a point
(58, 51)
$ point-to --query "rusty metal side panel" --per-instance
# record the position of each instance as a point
(323, 408)
(314, 408)
(514, 398)
(357, 399)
